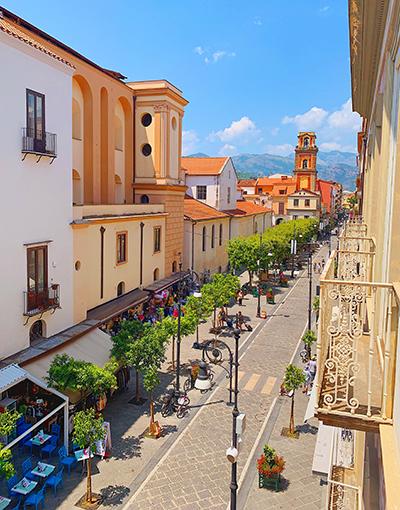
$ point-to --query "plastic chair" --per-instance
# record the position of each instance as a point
(27, 468)
(49, 447)
(35, 499)
(27, 442)
(55, 430)
(17, 506)
(66, 460)
(55, 480)
(10, 484)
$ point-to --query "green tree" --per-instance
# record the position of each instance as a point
(8, 422)
(294, 379)
(150, 381)
(309, 338)
(87, 430)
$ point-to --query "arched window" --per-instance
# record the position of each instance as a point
(306, 142)
(221, 233)
(204, 237)
(213, 236)
(120, 288)
(76, 120)
(305, 162)
(37, 331)
(144, 199)
(174, 266)
(156, 274)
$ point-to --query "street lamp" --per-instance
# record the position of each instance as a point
(196, 344)
(202, 382)
(216, 356)
(258, 314)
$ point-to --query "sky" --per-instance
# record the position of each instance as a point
(255, 72)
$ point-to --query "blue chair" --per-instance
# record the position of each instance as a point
(49, 447)
(27, 468)
(66, 460)
(17, 506)
(55, 480)
(55, 430)
(35, 499)
(10, 484)
(26, 442)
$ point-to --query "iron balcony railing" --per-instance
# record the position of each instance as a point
(357, 335)
(39, 142)
(38, 302)
(342, 496)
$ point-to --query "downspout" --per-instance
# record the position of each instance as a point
(134, 147)
(193, 225)
(102, 230)
(141, 254)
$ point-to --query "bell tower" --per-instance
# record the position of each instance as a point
(305, 163)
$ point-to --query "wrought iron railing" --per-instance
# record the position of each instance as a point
(356, 340)
(37, 302)
(39, 142)
(342, 496)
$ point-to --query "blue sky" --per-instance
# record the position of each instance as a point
(255, 72)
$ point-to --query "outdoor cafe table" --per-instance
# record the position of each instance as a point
(40, 439)
(4, 502)
(24, 488)
(82, 455)
(45, 471)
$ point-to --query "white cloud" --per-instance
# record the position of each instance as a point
(257, 21)
(345, 118)
(244, 128)
(325, 8)
(189, 142)
(284, 149)
(330, 146)
(199, 50)
(310, 120)
(227, 150)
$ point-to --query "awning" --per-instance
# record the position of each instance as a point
(104, 313)
(94, 346)
(163, 284)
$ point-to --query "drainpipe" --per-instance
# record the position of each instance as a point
(193, 225)
(134, 146)
(141, 253)
(102, 230)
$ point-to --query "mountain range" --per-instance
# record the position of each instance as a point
(333, 165)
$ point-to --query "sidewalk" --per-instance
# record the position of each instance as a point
(195, 473)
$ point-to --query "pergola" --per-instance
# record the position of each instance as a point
(14, 374)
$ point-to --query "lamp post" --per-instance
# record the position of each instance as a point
(203, 383)
(197, 295)
(258, 314)
(293, 247)
(178, 336)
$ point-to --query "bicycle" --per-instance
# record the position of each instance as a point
(174, 403)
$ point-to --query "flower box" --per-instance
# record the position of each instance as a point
(269, 482)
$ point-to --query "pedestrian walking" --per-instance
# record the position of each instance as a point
(240, 296)
(239, 320)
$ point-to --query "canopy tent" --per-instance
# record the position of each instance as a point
(12, 375)
(94, 346)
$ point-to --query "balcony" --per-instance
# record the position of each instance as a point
(36, 303)
(357, 334)
(39, 143)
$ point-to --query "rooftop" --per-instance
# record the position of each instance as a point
(246, 208)
(196, 210)
(203, 166)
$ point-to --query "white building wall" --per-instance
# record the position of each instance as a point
(36, 203)
(192, 181)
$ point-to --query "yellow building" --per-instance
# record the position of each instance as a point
(358, 377)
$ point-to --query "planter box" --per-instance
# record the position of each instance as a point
(271, 300)
(269, 482)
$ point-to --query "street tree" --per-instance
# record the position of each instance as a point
(293, 380)
(151, 380)
(87, 431)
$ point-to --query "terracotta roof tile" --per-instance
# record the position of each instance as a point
(203, 166)
(10, 29)
(245, 208)
(266, 181)
(247, 183)
(196, 210)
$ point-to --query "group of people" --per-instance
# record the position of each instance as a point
(239, 321)
(309, 371)
(319, 266)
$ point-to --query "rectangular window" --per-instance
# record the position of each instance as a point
(282, 192)
(259, 191)
(307, 202)
(296, 201)
(37, 277)
(229, 195)
(201, 192)
(121, 247)
(221, 234)
(35, 120)
(157, 239)
(281, 208)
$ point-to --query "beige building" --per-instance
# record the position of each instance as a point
(303, 204)
(358, 377)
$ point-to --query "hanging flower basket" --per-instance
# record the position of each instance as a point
(269, 467)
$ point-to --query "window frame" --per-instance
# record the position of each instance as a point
(118, 247)
(307, 202)
(157, 245)
(38, 143)
(204, 239)
(295, 202)
(221, 234)
(213, 237)
(37, 293)
(228, 195)
(203, 188)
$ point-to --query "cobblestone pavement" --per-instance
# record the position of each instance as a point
(194, 473)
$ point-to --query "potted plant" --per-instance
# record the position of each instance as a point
(283, 281)
(270, 296)
(269, 466)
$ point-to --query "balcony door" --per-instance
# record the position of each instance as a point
(35, 121)
(37, 277)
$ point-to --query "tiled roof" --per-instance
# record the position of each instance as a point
(246, 183)
(203, 166)
(14, 31)
(196, 210)
(245, 208)
(268, 181)
(277, 188)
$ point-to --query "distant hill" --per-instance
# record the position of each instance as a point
(334, 165)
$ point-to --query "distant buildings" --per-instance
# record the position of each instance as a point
(302, 195)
